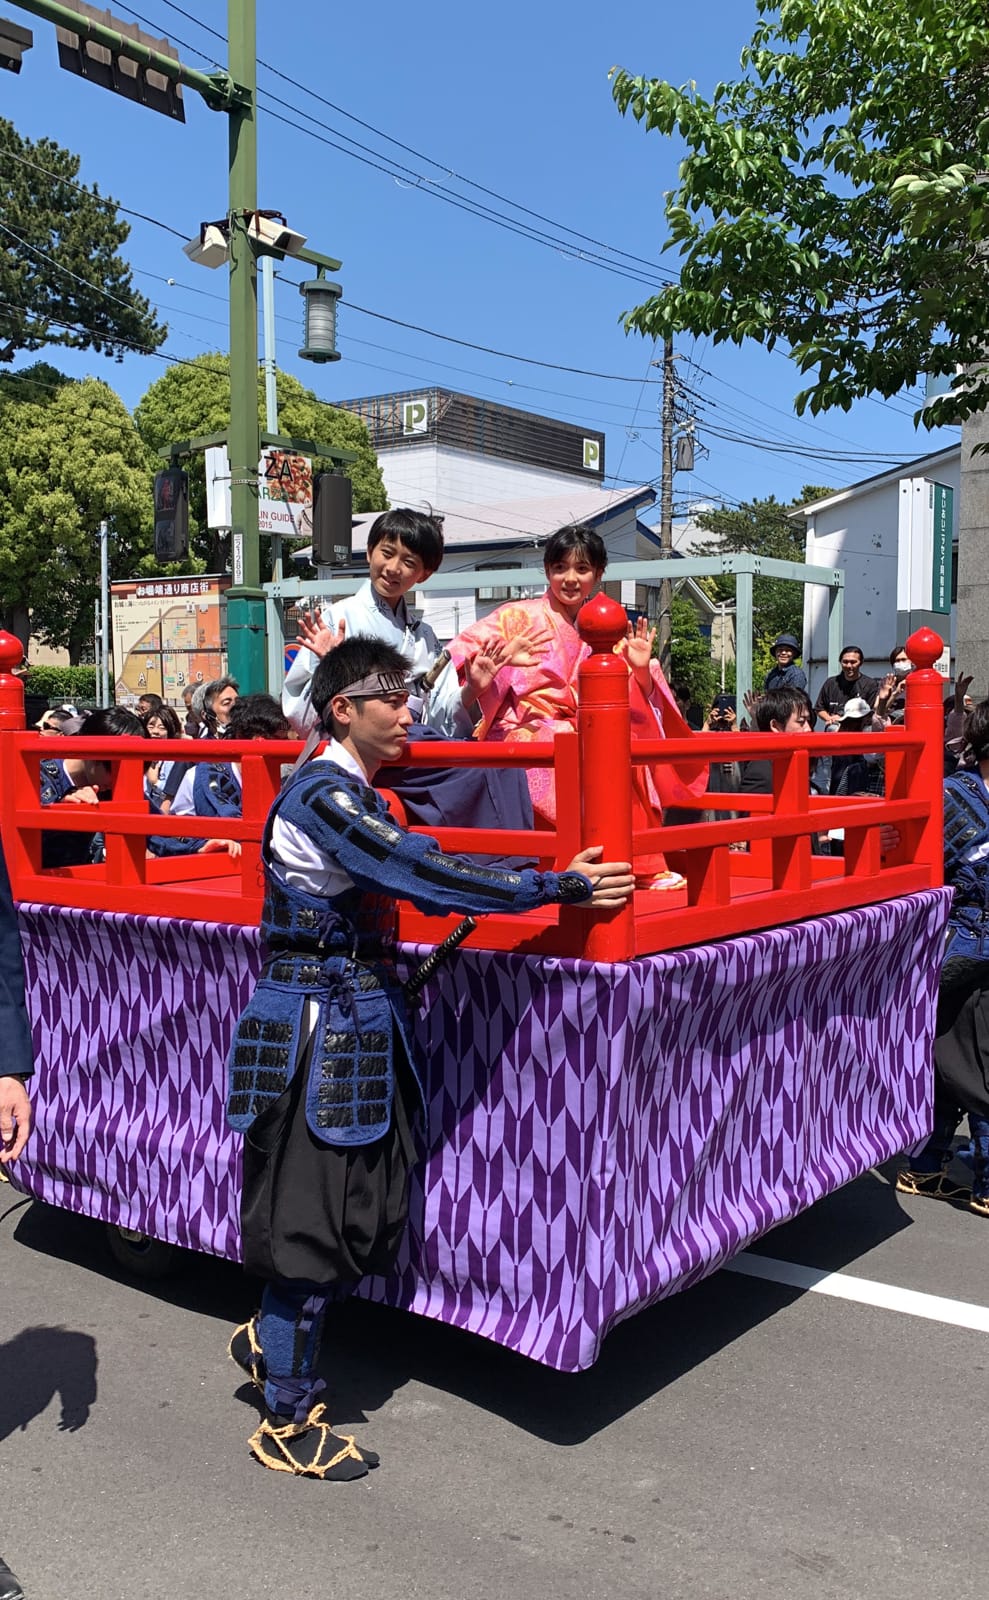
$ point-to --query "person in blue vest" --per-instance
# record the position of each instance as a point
(323, 1080)
(961, 1043)
(18, 1067)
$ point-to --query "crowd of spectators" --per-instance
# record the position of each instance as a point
(206, 789)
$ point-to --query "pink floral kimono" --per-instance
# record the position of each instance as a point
(538, 702)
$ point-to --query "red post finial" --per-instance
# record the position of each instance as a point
(924, 647)
(11, 687)
(601, 622)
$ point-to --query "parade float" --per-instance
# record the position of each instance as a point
(618, 1103)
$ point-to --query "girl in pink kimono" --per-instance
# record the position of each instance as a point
(533, 695)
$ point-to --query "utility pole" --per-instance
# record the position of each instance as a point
(270, 383)
(245, 598)
(665, 628)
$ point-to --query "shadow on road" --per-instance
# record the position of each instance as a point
(39, 1363)
(371, 1351)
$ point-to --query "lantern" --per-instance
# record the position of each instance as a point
(321, 320)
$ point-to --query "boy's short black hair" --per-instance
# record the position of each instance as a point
(778, 705)
(419, 532)
(111, 721)
(577, 539)
(977, 730)
(351, 661)
(258, 716)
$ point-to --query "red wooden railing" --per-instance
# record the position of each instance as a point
(778, 880)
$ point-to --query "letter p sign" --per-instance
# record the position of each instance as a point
(415, 416)
(592, 455)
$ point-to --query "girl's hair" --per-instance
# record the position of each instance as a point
(578, 540)
(419, 532)
(169, 720)
(154, 703)
(897, 650)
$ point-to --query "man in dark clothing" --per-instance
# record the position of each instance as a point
(324, 1082)
(851, 683)
(780, 711)
(15, 1107)
(785, 674)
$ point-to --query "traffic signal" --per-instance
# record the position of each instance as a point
(88, 58)
(171, 514)
(14, 40)
(332, 519)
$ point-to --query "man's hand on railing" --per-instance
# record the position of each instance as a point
(212, 847)
(86, 796)
(317, 637)
(889, 838)
(612, 881)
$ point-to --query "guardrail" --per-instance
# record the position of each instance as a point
(778, 880)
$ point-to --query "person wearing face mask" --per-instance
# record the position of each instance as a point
(891, 701)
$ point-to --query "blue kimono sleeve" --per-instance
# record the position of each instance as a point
(383, 858)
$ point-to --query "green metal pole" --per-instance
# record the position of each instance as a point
(245, 598)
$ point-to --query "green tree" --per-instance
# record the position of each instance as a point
(835, 197)
(62, 279)
(690, 653)
(67, 462)
(193, 401)
(762, 528)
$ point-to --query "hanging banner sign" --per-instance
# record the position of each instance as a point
(943, 520)
(285, 494)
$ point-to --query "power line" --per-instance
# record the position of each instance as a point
(505, 355)
(103, 200)
(484, 213)
(419, 155)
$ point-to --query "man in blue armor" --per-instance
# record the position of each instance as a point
(322, 1074)
(961, 1055)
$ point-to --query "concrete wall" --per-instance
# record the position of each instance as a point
(973, 557)
(858, 533)
(438, 475)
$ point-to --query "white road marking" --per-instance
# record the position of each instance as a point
(911, 1302)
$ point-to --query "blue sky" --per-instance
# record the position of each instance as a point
(517, 100)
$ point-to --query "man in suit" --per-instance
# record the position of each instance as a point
(15, 1107)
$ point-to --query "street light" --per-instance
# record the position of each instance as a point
(320, 319)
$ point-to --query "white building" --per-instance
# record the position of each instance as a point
(895, 537)
(503, 481)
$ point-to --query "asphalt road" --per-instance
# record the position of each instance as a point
(742, 1440)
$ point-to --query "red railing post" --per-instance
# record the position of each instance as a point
(604, 733)
(11, 721)
(925, 716)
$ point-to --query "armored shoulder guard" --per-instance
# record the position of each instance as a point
(966, 819)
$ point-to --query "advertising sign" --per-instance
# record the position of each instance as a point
(285, 494)
(167, 633)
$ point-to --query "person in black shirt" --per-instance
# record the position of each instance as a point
(851, 683)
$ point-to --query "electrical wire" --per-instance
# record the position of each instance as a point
(419, 155)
